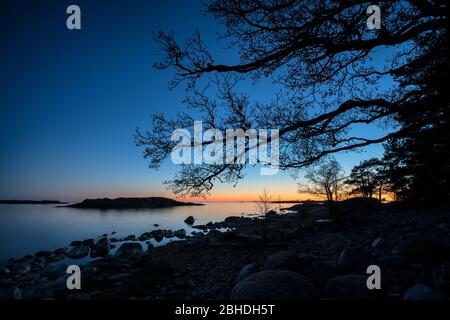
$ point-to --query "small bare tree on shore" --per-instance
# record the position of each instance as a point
(264, 204)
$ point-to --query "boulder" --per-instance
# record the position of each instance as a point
(216, 234)
(272, 214)
(169, 234)
(77, 252)
(377, 243)
(348, 287)
(145, 236)
(441, 278)
(104, 265)
(201, 227)
(322, 272)
(22, 269)
(54, 257)
(181, 234)
(100, 248)
(422, 292)
(428, 252)
(129, 250)
(13, 293)
(131, 237)
(4, 271)
(54, 271)
(356, 259)
(59, 251)
(273, 285)
(284, 260)
(197, 234)
(42, 253)
(76, 243)
(158, 235)
(248, 270)
(88, 242)
(324, 225)
(232, 219)
(407, 278)
(189, 220)
(99, 251)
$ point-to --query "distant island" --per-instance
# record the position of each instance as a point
(31, 202)
(130, 203)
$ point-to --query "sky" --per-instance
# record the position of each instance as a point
(71, 100)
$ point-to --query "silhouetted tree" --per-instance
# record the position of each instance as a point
(418, 164)
(397, 174)
(324, 180)
(320, 55)
(367, 177)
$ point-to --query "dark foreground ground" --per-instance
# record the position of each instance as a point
(292, 256)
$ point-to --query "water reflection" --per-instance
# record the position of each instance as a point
(25, 229)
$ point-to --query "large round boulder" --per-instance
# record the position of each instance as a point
(129, 250)
(323, 271)
(422, 292)
(273, 285)
(348, 287)
(284, 260)
(248, 270)
(428, 252)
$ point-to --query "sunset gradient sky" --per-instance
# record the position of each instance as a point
(70, 101)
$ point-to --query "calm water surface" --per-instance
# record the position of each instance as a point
(25, 229)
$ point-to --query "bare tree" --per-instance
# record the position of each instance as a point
(264, 203)
(325, 180)
(320, 54)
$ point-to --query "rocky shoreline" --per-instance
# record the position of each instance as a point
(313, 252)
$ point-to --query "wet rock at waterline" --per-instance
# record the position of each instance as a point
(77, 252)
(129, 250)
(189, 220)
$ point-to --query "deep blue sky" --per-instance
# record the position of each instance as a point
(70, 100)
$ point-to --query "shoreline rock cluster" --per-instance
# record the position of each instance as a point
(291, 256)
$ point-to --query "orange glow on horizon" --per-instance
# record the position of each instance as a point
(278, 194)
(251, 197)
(234, 196)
